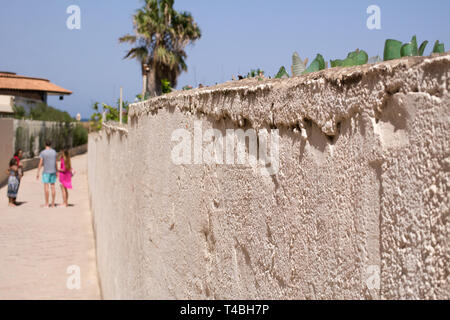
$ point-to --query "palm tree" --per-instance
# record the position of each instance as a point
(161, 35)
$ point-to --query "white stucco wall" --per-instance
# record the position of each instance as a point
(361, 191)
(6, 104)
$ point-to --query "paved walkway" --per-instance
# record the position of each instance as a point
(38, 245)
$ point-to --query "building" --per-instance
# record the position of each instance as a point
(25, 91)
(6, 103)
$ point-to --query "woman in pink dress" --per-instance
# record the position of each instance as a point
(65, 176)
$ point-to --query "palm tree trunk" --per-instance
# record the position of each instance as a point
(154, 86)
(144, 84)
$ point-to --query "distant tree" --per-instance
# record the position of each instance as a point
(111, 113)
(80, 135)
(19, 112)
(161, 35)
(96, 117)
(42, 112)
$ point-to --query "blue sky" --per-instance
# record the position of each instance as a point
(237, 36)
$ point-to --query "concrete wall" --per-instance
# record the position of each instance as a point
(30, 135)
(361, 195)
(6, 147)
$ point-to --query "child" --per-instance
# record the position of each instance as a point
(13, 182)
(18, 156)
(65, 176)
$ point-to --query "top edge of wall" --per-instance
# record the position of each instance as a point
(322, 97)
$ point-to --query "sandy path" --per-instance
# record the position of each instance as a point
(37, 245)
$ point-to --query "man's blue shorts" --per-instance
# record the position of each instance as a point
(49, 178)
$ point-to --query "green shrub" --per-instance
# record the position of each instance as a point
(31, 147)
(111, 113)
(21, 136)
(165, 84)
(79, 136)
(19, 112)
(44, 112)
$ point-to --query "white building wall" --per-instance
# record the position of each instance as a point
(6, 103)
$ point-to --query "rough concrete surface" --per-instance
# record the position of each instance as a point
(37, 245)
(361, 191)
(6, 147)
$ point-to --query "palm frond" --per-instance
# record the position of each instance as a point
(161, 35)
(128, 38)
(139, 53)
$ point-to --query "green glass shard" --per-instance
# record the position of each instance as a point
(407, 50)
(438, 47)
(321, 61)
(313, 67)
(375, 59)
(282, 73)
(414, 49)
(298, 66)
(361, 57)
(336, 63)
(392, 50)
(422, 47)
(355, 58)
(317, 65)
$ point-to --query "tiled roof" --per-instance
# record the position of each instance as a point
(11, 81)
